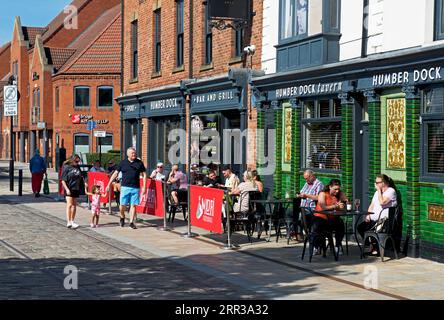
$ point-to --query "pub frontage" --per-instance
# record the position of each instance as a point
(355, 119)
(218, 117)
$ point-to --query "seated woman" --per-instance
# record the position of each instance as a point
(331, 198)
(242, 190)
(178, 181)
(384, 198)
(258, 181)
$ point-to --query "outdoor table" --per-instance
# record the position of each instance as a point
(272, 203)
(344, 213)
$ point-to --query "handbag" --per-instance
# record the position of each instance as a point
(46, 185)
(380, 225)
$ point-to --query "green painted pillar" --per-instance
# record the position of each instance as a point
(296, 144)
(347, 105)
(412, 209)
(277, 112)
(260, 138)
(374, 115)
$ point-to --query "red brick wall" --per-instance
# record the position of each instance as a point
(223, 50)
(62, 121)
(5, 60)
(222, 44)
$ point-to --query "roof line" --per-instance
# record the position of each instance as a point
(56, 30)
(91, 43)
(5, 47)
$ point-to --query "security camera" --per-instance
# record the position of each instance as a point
(250, 49)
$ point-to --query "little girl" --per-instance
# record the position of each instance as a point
(95, 205)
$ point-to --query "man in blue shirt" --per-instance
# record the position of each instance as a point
(37, 166)
(131, 169)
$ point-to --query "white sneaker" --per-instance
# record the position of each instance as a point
(316, 251)
(74, 225)
(69, 224)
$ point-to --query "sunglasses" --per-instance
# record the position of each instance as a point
(159, 166)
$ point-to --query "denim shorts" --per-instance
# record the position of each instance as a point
(129, 196)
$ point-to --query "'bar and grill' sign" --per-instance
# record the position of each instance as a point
(229, 9)
(10, 101)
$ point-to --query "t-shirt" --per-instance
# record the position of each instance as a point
(73, 177)
(390, 193)
(243, 204)
(131, 172)
(311, 189)
(157, 175)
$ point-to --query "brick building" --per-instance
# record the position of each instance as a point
(66, 68)
(5, 57)
(175, 66)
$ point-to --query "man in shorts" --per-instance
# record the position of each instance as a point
(131, 169)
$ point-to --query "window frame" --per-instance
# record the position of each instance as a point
(439, 17)
(318, 120)
(238, 42)
(98, 97)
(208, 38)
(180, 33)
(157, 37)
(107, 136)
(81, 134)
(425, 120)
(57, 98)
(326, 8)
(89, 98)
(294, 36)
(134, 49)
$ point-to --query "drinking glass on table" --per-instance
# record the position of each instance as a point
(357, 204)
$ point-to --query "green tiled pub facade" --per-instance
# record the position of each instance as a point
(354, 120)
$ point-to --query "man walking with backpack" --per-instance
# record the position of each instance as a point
(37, 166)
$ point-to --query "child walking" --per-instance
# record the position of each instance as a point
(95, 205)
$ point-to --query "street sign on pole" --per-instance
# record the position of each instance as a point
(91, 125)
(41, 125)
(10, 101)
(100, 134)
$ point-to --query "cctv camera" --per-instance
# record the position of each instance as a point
(250, 49)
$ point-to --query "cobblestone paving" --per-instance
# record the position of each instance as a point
(45, 248)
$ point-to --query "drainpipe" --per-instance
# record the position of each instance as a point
(190, 51)
(365, 18)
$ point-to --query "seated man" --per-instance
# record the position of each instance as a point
(384, 198)
(157, 173)
(211, 180)
(97, 167)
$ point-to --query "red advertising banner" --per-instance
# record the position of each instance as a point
(206, 208)
(101, 179)
(152, 202)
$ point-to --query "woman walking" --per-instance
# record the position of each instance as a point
(71, 181)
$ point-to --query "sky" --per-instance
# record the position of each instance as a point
(33, 13)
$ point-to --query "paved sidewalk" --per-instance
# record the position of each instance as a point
(273, 270)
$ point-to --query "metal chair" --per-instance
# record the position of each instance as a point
(312, 237)
(182, 196)
(383, 231)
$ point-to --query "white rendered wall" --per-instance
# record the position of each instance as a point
(270, 35)
(351, 29)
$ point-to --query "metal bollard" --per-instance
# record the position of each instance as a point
(20, 186)
(11, 175)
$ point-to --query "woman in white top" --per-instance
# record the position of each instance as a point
(242, 190)
(383, 199)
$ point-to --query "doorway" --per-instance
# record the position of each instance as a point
(361, 153)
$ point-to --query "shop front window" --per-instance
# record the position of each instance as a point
(321, 135)
(433, 133)
(105, 144)
(81, 144)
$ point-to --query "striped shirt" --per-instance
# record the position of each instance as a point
(312, 189)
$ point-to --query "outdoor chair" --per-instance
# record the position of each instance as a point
(312, 237)
(383, 231)
(247, 218)
(182, 196)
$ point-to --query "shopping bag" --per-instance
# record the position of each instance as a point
(46, 185)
